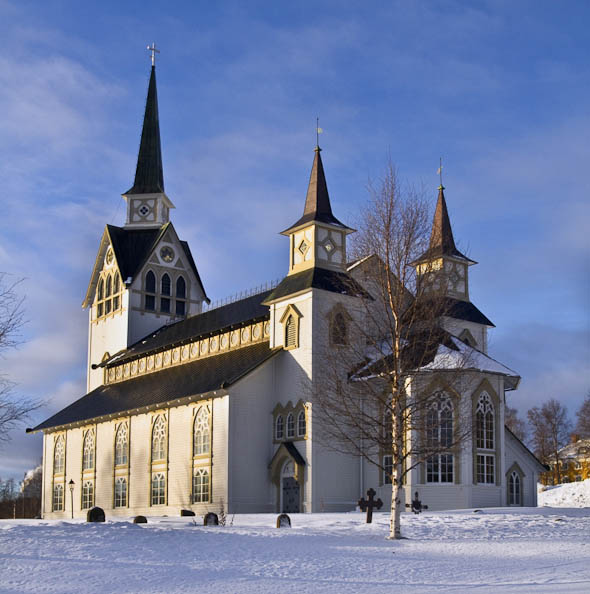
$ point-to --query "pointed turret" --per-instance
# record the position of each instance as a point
(442, 242)
(317, 201)
(149, 176)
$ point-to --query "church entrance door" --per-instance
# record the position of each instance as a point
(290, 495)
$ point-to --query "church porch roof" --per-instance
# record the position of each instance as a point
(168, 385)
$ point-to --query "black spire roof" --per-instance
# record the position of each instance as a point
(317, 202)
(442, 242)
(149, 176)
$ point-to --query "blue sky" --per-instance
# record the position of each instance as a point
(499, 89)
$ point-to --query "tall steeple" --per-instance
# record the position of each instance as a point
(149, 175)
(147, 204)
(318, 238)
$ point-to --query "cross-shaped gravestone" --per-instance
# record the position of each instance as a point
(370, 503)
(416, 505)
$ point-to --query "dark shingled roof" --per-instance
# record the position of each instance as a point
(465, 310)
(190, 379)
(317, 278)
(149, 175)
(317, 202)
(233, 314)
(133, 247)
(442, 242)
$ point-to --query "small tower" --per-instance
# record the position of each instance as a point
(147, 203)
(445, 269)
(318, 238)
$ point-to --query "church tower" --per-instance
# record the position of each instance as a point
(144, 276)
(443, 268)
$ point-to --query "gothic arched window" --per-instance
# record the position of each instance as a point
(150, 290)
(201, 432)
(279, 428)
(180, 296)
(121, 445)
(165, 294)
(485, 430)
(290, 425)
(514, 492)
(439, 438)
(88, 451)
(100, 299)
(301, 424)
(59, 455)
(159, 439)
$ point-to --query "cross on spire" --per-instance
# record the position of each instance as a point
(440, 168)
(318, 131)
(154, 51)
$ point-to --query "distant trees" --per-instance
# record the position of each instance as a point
(24, 500)
(550, 431)
(12, 410)
(583, 423)
(517, 425)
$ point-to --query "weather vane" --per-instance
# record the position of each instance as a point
(318, 131)
(439, 171)
(154, 51)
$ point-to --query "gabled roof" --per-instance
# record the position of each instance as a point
(464, 310)
(442, 242)
(149, 175)
(158, 388)
(132, 249)
(541, 467)
(317, 201)
(317, 278)
(228, 316)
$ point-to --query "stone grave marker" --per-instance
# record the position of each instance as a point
(211, 519)
(283, 521)
(95, 514)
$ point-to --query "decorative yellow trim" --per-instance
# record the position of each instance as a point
(285, 410)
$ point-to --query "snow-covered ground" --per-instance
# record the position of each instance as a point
(566, 495)
(507, 550)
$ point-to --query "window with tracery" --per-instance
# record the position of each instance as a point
(290, 425)
(279, 428)
(201, 485)
(150, 291)
(58, 498)
(59, 455)
(201, 432)
(160, 294)
(87, 494)
(439, 436)
(158, 489)
(88, 451)
(485, 430)
(180, 296)
(159, 439)
(165, 294)
(301, 428)
(121, 445)
(108, 294)
(121, 492)
(514, 492)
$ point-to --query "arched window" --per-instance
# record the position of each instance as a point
(150, 289)
(290, 425)
(439, 437)
(514, 493)
(159, 439)
(279, 428)
(59, 456)
(158, 488)
(201, 435)
(338, 330)
(485, 429)
(121, 492)
(116, 290)
(108, 293)
(121, 445)
(88, 451)
(58, 497)
(100, 298)
(290, 332)
(165, 294)
(87, 494)
(201, 485)
(301, 424)
(180, 296)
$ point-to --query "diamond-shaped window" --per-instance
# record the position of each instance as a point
(303, 247)
(328, 246)
(144, 210)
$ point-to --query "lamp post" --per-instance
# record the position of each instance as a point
(71, 484)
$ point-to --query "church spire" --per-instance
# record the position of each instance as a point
(149, 176)
(317, 201)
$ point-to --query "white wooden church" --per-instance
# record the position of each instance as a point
(199, 410)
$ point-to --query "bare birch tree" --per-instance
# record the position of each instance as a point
(515, 423)
(376, 397)
(13, 409)
(583, 418)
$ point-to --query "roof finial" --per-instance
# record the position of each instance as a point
(439, 171)
(154, 51)
(318, 131)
